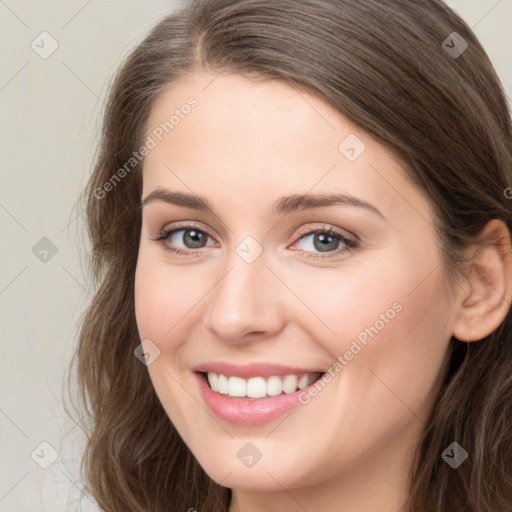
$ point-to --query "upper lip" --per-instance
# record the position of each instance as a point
(251, 370)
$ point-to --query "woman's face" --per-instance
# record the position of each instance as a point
(265, 304)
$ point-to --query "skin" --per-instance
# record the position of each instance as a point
(246, 144)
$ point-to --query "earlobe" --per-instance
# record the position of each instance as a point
(484, 307)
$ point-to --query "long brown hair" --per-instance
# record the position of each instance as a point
(383, 64)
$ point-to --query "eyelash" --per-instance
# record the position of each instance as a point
(350, 244)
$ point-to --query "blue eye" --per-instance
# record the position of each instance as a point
(326, 241)
(193, 238)
(189, 236)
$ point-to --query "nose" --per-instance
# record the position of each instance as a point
(246, 303)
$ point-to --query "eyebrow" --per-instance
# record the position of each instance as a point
(281, 206)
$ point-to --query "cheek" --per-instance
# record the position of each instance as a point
(164, 302)
(391, 329)
(391, 301)
(150, 303)
(353, 303)
(164, 296)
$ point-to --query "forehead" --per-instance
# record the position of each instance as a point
(264, 139)
(233, 108)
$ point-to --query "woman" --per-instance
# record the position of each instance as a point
(300, 231)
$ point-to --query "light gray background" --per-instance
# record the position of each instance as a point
(50, 115)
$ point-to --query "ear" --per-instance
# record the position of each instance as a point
(487, 299)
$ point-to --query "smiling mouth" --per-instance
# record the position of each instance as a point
(256, 388)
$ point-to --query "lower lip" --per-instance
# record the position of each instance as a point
(247, 412)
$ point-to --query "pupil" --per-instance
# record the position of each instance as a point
(325, 247)
(193, 238)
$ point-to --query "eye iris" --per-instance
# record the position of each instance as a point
(193, 238)
(330, 242)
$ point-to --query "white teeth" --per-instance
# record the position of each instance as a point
(302, 383)
(290, 384)
(213, 379)
(274, 386)
(222, 384)
(258, 387)
(236, 387)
